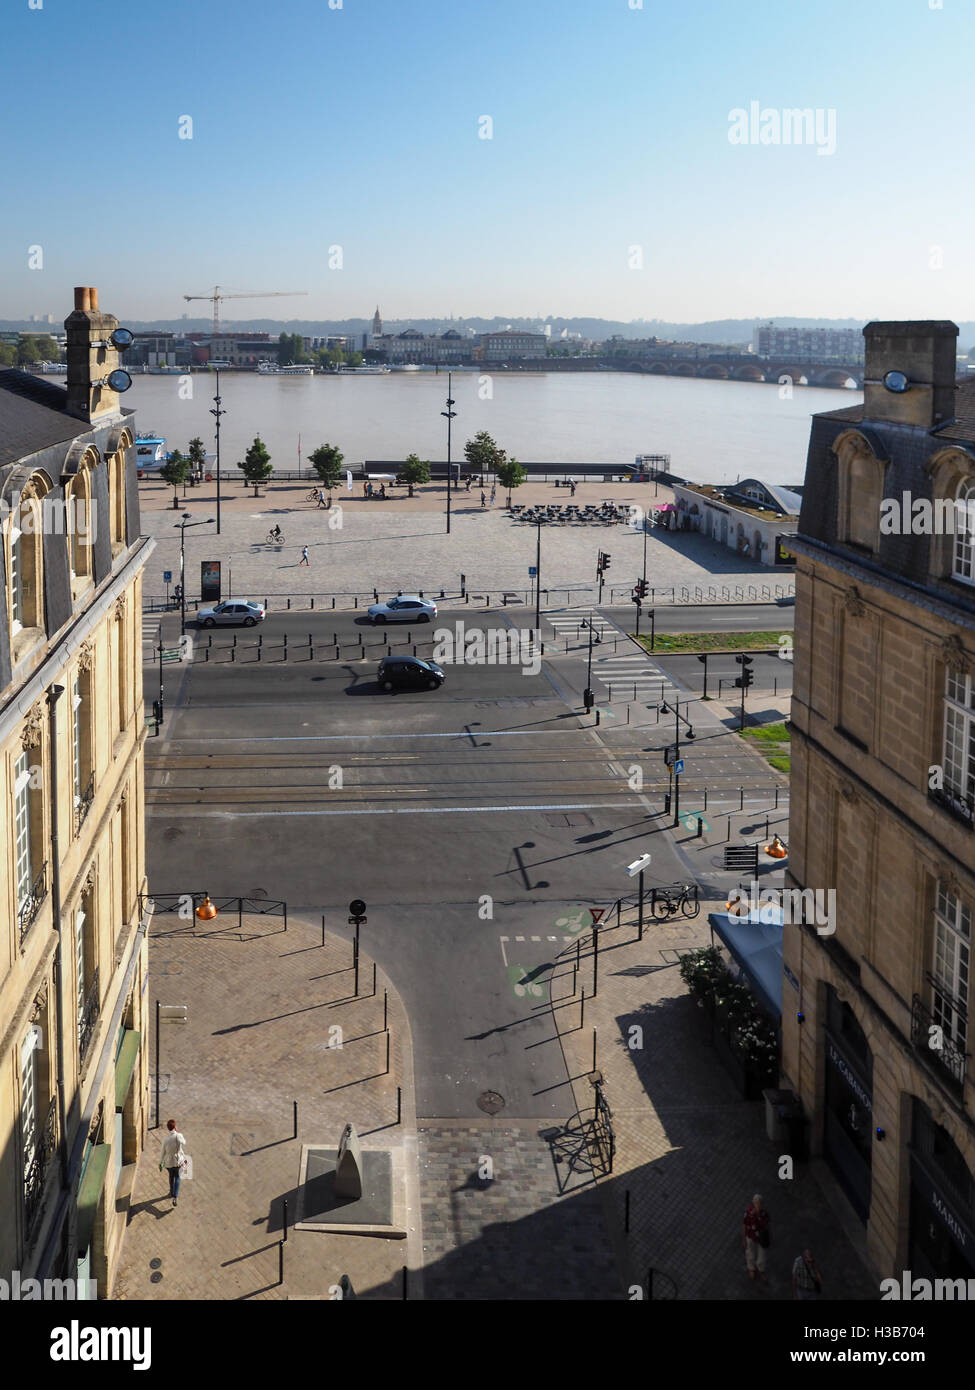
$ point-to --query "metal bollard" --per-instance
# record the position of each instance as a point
(700, 828)
(285, 657)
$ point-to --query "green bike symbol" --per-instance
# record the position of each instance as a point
(523, 986)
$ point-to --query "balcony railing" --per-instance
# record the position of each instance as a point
(39, 1162)
(30, 904)
(960, 807)
(83, 804)
(89, 1016)
(949, 1059)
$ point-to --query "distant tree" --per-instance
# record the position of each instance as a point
(257, 465)
(197, 456)
(335, 356)
(291, 349)
(28, 351)
(374, 355)
(510, 475)
(327, 463)
(8, 355)
(415, 470)
(482, 453)
(48, 348)
(175, 471)
(355, 359)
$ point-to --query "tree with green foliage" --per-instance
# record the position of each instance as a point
(482, 453)
(198, 456)
(291, 350)
(28, 351)
(354, 359)
(415, 470)
(510, 474)
(327, 463)
(48, 348)
(257, 465)
(175, 471)
(8, 355)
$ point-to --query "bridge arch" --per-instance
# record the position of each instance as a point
(714, 370)
(749, 372)
(683, 369)
(836, 377)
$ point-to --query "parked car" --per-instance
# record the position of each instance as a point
(405, 609)
(236, 610)
(409, 673)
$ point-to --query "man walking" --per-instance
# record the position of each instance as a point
(756, 1236)
(483, 500)
(807, 1282)
(173, 1158)
(304, 556)
(494, 492)
(321, 497)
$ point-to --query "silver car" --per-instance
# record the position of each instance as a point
(235, 610)
(405, 609)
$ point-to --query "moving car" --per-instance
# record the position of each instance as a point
(405, 609)
(409, 673)
(236, 610)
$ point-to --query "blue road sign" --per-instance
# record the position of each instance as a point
(532, 571)
(678, 767)
(167, 576)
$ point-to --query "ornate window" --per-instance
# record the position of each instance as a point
(952, 474)
(25, 587)
(963, 551)
(860, 492)
(78, 507)
(958, 756)
(84, 779)
(951, 965)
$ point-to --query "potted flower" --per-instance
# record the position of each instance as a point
(704, 972)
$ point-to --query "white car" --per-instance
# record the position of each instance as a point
(405, 609)
(236, 610)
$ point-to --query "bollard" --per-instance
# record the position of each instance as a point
(313, 602)
(323, 929)
(311, 649)
(206, 654)
(741, 798)
(386, 1072)
(414, 649)
(235, 639)
(333, 600)
(295, 1125)
(284, 1217)
(594, 1049)
(404, 1283)
(700, 828)
(289, 605)
(399, 1104)
(335, 639)
(233, 652)
(728, 836)
(386, 1009)
(285, 647)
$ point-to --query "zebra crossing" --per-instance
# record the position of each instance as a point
(627, 673)
(151, 628)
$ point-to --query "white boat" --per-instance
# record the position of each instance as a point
(273, 369)
(151, 454)
(361, 371)
(406, 367)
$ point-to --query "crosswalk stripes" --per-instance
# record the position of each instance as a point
(621, 671)
(150, 637)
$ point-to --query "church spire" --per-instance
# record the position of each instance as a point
(377, 323)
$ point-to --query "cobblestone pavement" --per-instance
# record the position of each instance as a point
(404, 545)
(261, 1004)
(689, 1151)
(510, 1235)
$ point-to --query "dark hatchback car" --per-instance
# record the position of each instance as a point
(409, 673)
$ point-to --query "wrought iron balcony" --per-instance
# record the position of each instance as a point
(948, 1058)
(30, 905)
(89, 1016)
(959, 807)
(83, 805)
(39, 1162)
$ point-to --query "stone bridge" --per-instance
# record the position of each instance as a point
(748, 368)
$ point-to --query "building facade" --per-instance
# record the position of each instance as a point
(415, 348)
(877, 1016)
(808, 344)
(73, 955)
(511, 346)
(751, 517)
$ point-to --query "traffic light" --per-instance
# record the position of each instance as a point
(606, 559)
(747, 674)
(588, 699)
(642, 588)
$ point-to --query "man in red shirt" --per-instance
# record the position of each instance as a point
(755, 1234)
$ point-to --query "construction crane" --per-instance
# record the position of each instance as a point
(216, 297)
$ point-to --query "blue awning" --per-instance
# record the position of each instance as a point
(756, 945)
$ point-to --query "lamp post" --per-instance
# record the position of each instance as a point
(217, 413)
(675, 710)
(182, 525)
(589, 698)
(538, 581)
(449, 414)
(637, 868)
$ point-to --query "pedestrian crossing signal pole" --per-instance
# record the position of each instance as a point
(589, 698)
(744, 681)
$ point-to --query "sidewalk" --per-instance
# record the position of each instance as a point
(262, 1004)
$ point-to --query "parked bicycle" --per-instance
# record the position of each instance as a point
(275, 537)
(680, 897)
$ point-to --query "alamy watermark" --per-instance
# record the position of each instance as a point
(920, 516)
(57, 516)
(768, 125)
(17, 1289)
(495, 646)
(814, 907)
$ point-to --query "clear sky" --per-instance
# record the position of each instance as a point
(358, 127)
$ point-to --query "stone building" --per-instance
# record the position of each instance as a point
(877, 1017)
(73, 956)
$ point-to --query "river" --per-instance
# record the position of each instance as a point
(714, 431)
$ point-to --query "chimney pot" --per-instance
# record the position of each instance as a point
(82, 301)
(93, 298)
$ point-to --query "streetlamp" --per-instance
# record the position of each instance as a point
(588, 697)
(675, 710)
(538, 582)
(449, 414)
(637, 868)
(182, 525)
(217, 413)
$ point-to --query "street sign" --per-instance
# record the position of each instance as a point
(357, 907)
(532, 571)
(172, 1013)
(670, 754)
(169, 654)
(596, 913)
(167, 576)
(678, 767)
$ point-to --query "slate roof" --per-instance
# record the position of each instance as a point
(961, 428)
(33, 416)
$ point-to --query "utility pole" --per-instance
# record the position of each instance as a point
(538, 581)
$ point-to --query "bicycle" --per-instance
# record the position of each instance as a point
(275, 538)
(313, 495)
(681, 897)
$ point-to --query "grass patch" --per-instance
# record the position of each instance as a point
(767, 733)
(772, 741)
(781, 763)
(711, 641)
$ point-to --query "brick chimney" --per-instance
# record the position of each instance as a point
(88, 362)
(924, 351)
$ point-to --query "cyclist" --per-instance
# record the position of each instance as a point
(276, 533)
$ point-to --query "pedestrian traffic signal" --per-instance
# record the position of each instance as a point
(606, 560)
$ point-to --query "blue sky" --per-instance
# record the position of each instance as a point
(358, 127)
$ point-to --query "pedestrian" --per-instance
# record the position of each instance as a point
(469, 479)
(382, 490)
(483, 500)
(321, 497)
(173, 1158)
(365, 489)
(756, 1237)
(807, 1282)
(572, 489)
(304, 555)
(494, 492)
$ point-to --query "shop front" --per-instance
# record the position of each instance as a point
(848, 1103)
(941, 1243)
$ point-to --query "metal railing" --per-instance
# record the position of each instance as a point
(89, 1016)
(947, 1057)
(83, 805)
(30, 904)
(36, 1168)
(959, 807)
